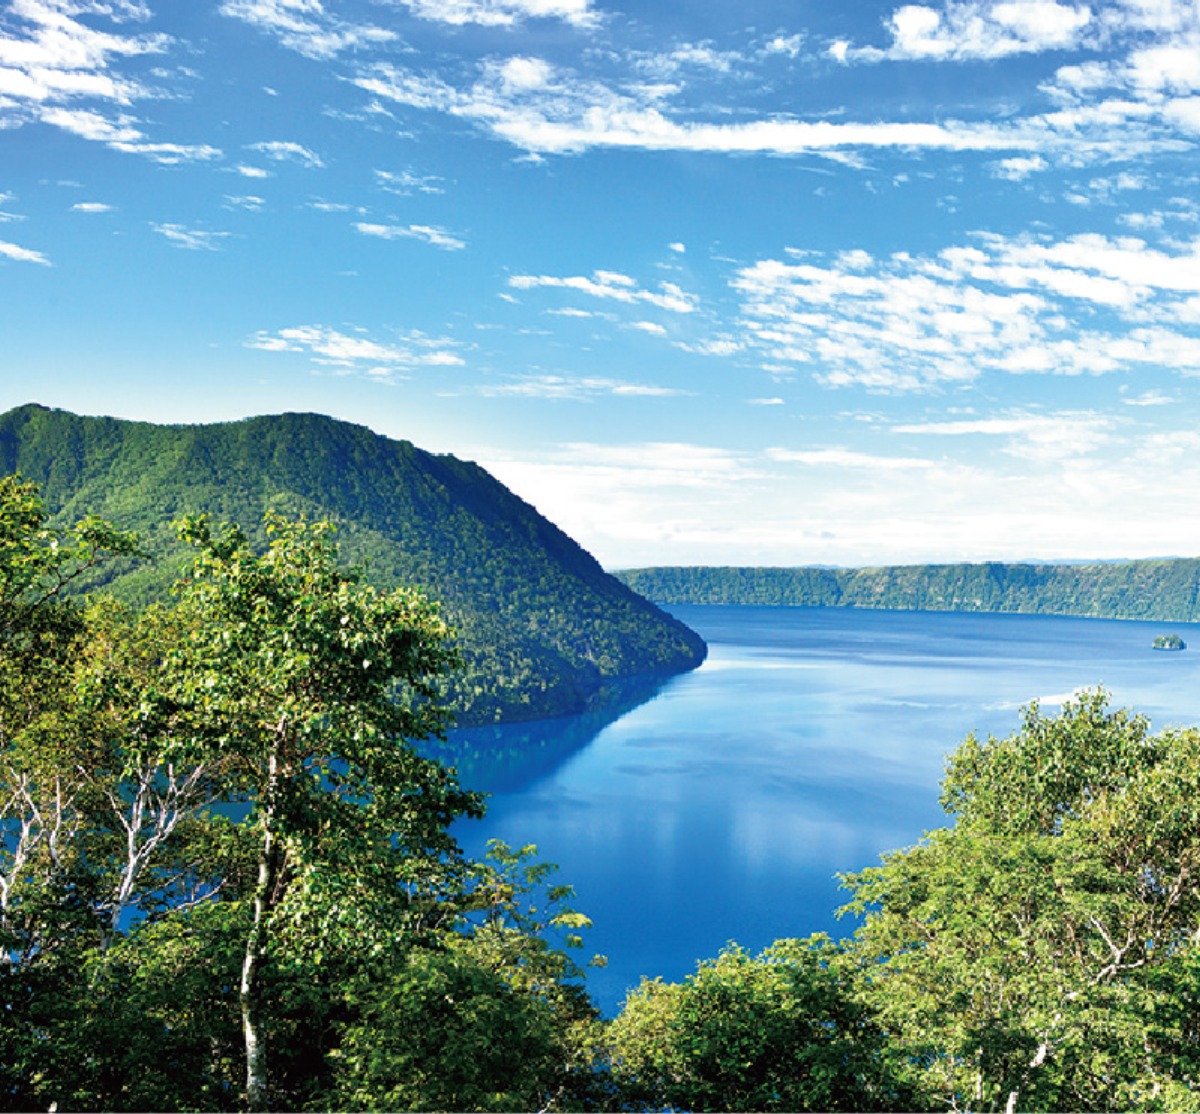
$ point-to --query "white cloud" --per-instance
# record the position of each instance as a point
(305, 27)
(524, 74)
(789, 45)
(563, 388)
(714, 346)
(405, 182)
(61, 71)
(543, 110)
(1149, 398)
(284, 151)
(123, 134)
(638, 504)
(678, 248)
(250, 202)
(22, 255)
(849, 458)
(1031, 436)
(190, 239)
(666, 65)
(1019, 168)
(429, 234)
(502, 13)
(1087, 304)
(977, 29)
(651, 327)
(252, 171)
(614, 286)
(60, 57)
(91, 207)
(1169, 446)
(357, 352)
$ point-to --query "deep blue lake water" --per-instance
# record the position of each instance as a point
(812, 740)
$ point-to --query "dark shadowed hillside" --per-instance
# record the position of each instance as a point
(541, 626)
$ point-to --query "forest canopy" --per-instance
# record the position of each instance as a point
(540, 627)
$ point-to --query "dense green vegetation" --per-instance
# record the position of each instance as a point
(226, 877)
(227, 881)
(539, 625)
(1166, 589)
(1169, 642)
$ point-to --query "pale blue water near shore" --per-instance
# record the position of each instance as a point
(811, 741)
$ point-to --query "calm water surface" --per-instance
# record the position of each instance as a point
(812, 740)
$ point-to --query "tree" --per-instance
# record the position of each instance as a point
(780, 1031)
(41, 635)
(218, 845)
(492, 1016)
(1037, 952)
(311, 685)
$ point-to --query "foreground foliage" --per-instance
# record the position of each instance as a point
(1042, 952)
(226, 877)
(227, 880)
(785, 1030)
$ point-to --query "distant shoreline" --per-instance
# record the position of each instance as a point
(1165, 589)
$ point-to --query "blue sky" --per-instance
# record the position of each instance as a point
(756, 283)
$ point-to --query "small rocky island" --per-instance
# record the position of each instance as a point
(1169, 642)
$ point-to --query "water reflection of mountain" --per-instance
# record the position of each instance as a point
(506, 758)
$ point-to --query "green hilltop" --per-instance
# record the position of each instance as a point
(540, 625)
(1158, 589)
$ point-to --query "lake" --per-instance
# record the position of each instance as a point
(721, 804)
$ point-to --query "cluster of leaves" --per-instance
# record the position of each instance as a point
(1151, 589)
(226, 877)
(539, 625)
(1042, 952)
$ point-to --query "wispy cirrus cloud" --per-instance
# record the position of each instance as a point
(357, 352)
(1141, 103)
(123, 133)
(841, 458)
(22, 255)
(501, 13)
(1086, 304)
(59, 70)
(613, 286)
(279, 150)
(191, 239)
(1040, 437)
(426, 233)
(49, 55)
(405, 182)
(564, 113)
(572, 388)
(306, 27)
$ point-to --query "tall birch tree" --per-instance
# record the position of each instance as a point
(311, 686)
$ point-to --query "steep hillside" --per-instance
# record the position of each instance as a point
(1161, 589)
(540, 624)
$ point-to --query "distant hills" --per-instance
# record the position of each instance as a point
(1159, 589)
(541, 626)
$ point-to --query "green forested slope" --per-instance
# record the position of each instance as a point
(1160, 589)
(539, 623)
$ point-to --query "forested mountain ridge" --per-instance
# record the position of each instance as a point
(539, 623)
(1148, 589)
